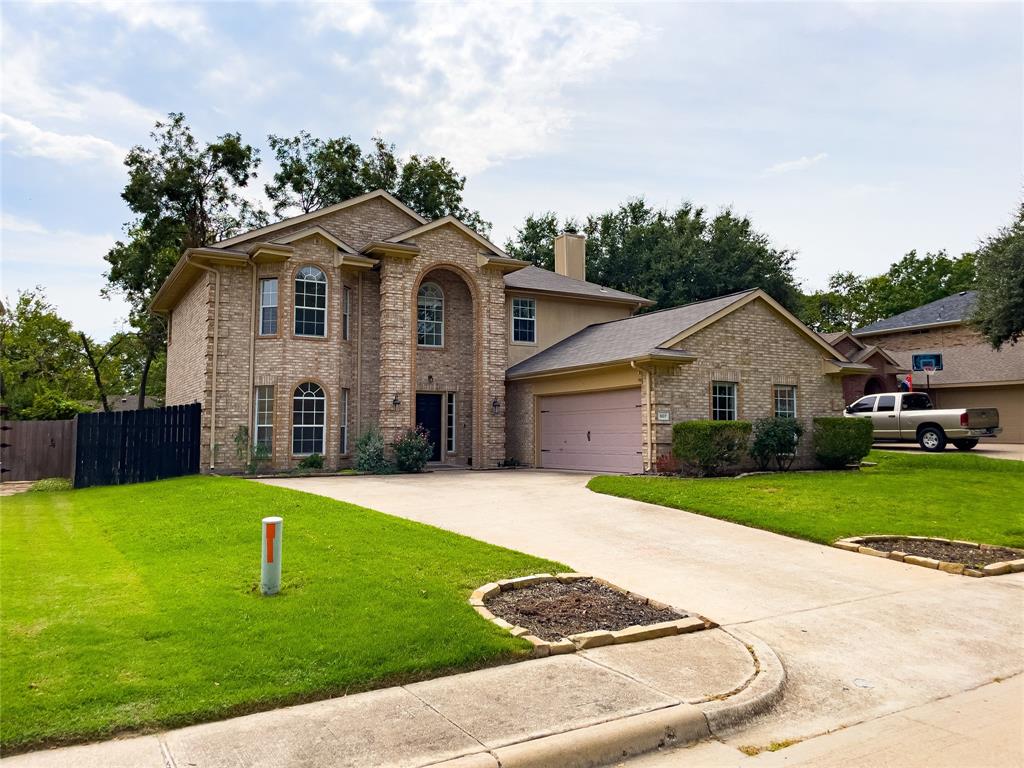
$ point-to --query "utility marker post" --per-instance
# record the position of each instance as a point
(270, 569)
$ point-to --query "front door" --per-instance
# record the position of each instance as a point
(428, 416)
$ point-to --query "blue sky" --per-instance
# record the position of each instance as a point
(849, 132)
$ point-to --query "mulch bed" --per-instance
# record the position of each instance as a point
(973, 557)
(554, 610)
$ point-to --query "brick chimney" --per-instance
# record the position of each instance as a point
(571, 255)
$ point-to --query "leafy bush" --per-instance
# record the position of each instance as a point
(251, 456)
(52, 405)
(412, 449)
(776, 439)
(708, 447)
(51, 484)
(667, 464)
(839, 441)
(313, 461)
(369, 453)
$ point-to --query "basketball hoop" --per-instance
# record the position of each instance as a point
(928, 368)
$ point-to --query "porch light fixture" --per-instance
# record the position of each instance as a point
(396, 402)
(495, 406)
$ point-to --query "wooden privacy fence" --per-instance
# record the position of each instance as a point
(136, 446)
(32, 450)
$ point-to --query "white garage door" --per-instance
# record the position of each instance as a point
(597, 431)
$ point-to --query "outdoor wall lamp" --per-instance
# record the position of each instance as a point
(495, 406)
(396, 402)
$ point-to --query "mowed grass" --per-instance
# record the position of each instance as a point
(955, 496)
(138, 607)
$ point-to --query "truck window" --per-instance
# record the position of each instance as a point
(864, 405)
(886, 403)
(916, 401)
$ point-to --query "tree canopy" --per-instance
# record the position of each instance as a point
(1000, 264)
(670, 257)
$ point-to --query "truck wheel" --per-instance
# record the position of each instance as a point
(964, 445)
(932, 439)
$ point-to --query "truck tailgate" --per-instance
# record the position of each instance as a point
(982, 418)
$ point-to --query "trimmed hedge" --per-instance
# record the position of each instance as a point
(776, 439)
(708, 447)
(839, 442)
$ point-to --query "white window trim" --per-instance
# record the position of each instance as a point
(322, 426)
(276, 305)
(512, 321)
(735, 387)
(346, 312)
(440, 290)
(257, 424)
(296, 307)
(775, 400)
(451, 425)
(344, 422)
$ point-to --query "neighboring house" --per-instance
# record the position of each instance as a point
(363, 313)
(884, 375)
(972, 372)
(123, 403)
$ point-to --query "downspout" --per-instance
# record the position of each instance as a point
(213, 382)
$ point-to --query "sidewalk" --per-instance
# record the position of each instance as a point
(979, 727)
(620, 699)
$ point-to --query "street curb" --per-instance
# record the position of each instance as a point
(604, 743)
(762, 692)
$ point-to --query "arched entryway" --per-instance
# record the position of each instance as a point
(446, 362)
(874, 385)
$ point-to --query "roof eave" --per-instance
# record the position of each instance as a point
(636, 301)
(899, 329)
(652, 356)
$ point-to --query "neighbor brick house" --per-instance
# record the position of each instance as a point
(972, 374)
(306, 332)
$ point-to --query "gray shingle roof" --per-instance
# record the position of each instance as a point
(536, 279)
(952, 309)
(625, 339)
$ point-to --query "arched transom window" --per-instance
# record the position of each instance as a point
(430, 316)
(309, 408)
(310, 302)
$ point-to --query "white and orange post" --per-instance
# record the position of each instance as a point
(270, 570)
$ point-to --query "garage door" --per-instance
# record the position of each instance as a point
(598, 431)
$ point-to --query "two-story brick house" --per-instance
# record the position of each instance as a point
(308, 331)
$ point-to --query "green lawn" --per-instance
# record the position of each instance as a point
(138, 606)
(956, 496)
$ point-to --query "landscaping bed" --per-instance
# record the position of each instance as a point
(554, 609)
(971, 555)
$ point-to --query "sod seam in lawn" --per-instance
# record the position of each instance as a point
(955, 496)
(137, 607)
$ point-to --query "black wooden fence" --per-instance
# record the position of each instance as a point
(137, 446)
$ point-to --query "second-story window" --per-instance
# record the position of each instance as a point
(310, 302)
(430, 316)
(346, 312)
(524, 320)
(268, 306)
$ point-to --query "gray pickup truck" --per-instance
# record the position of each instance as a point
(910, 417)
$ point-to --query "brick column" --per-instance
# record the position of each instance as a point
(396, 320)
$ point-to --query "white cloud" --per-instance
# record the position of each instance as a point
(483, 84)
(353, 17)
(11, 223)
(27, 139)
(789, 166)
(181, 19)
(28, 242)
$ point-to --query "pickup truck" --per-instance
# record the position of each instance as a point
(910, 417)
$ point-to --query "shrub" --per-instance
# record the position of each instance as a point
(313, 461)
(839, 441)
(776, 439)
(51, 484)
(250, 455)
(708, 447)
(412, 449)
(667, 464)
(369, 453)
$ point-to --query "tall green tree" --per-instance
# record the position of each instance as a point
(1000, 264)
(314, 173)
(43, 374)
(671, 257)
(184, 194)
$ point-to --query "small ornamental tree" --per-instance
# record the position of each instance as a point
(776, 440)
(412, 449)
(710, 447)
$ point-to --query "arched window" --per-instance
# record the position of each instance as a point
(430, 316)
(310, 302)
(309, 407)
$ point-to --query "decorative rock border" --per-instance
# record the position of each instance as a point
(581, 640)
(859, 544)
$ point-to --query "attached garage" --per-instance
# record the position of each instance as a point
(593, 431)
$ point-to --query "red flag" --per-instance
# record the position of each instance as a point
(910, 382)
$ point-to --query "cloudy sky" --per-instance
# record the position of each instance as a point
(849, 132)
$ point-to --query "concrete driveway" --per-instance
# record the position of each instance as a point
(860, 637)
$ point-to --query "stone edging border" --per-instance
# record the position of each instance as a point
(860, 544)
(594, 639)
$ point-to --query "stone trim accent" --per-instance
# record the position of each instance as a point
(857, 544)
(582, 640)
